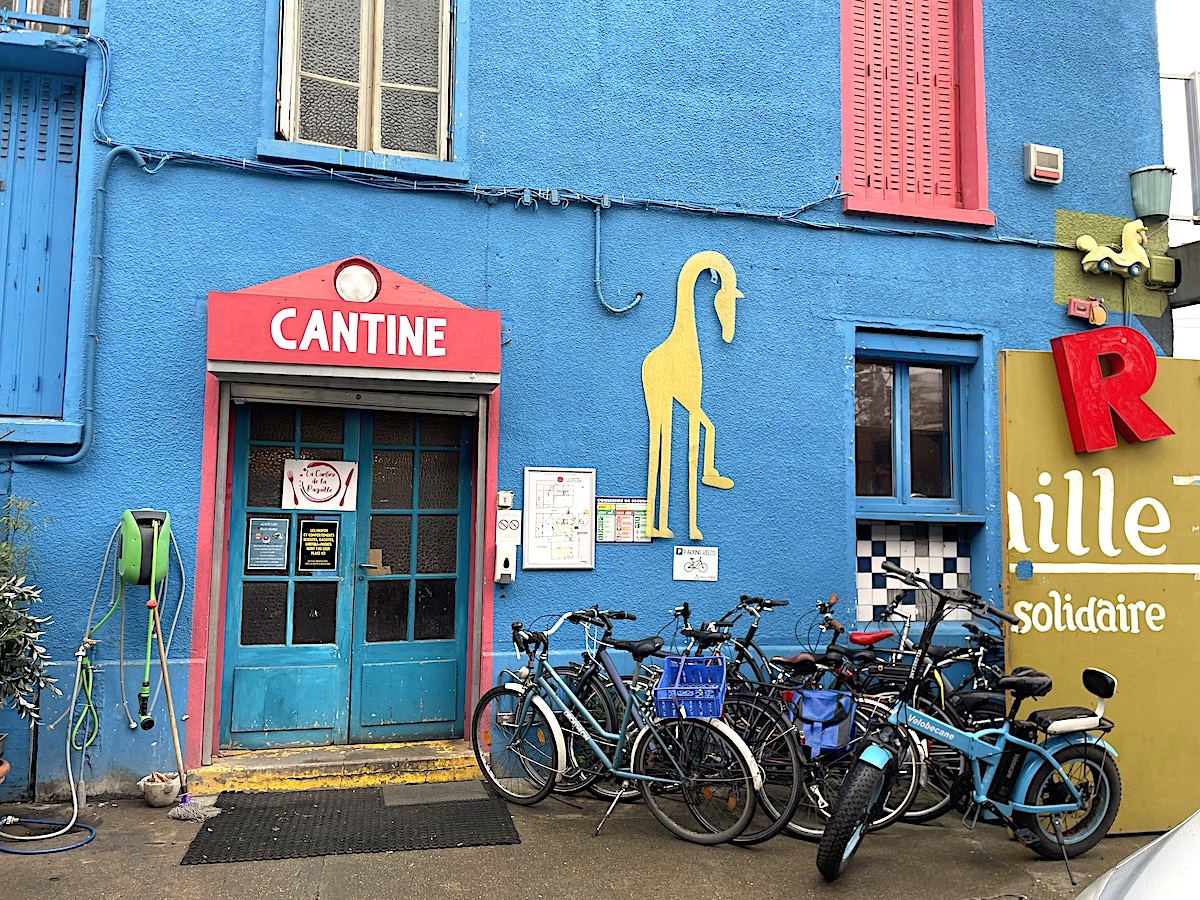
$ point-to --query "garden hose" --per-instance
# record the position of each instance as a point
(144, 718)
(84, 729)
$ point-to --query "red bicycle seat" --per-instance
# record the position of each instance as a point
(870, 638)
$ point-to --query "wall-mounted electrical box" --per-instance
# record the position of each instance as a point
(1164, 273)
(1043, 165)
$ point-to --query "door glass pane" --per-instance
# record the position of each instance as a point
(392, 479)
(322, 425)
(394, 428)
(264, 612)
(435, 610)
(873, 429)
(272, 422)
(440, 431)
(321, 453)
(265, 478)
(437, 544)
(392, 535)
(929, 406)
(387, 611)
(439, 480)
(314, 612)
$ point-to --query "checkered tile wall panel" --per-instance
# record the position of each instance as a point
(942, 552)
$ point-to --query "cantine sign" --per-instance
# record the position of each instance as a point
(281, 329)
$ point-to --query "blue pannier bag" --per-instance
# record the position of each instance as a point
(826, 718)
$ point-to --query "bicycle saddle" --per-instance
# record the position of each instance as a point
(639, 649)
(800, 664)
(870, 638)
(1026, 682)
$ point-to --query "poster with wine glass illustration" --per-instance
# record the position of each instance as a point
(319, 484)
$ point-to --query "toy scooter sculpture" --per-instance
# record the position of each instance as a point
(1130, 261)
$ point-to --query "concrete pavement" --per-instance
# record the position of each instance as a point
(136, 852)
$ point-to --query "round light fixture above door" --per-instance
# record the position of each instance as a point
(357, 281)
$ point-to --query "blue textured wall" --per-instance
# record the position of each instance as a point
(729, 105)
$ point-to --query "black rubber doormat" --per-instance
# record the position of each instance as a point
(326, 823)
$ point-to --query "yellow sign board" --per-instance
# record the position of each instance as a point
(1102, 565)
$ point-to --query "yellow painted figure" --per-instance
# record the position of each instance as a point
(670, 372)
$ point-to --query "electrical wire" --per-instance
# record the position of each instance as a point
(561, 198)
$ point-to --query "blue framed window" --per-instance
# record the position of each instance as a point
(911, 424)
(371, 84)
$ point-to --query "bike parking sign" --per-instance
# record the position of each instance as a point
(695, 564)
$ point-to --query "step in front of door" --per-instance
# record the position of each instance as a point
(312, 768)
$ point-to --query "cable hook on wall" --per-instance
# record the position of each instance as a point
(637, 298)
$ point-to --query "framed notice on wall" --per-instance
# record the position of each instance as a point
(559, 519)
(621, 520)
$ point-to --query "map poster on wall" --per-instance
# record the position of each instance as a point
(559, 519)
(621, 520)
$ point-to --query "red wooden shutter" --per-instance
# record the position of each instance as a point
(899, 83)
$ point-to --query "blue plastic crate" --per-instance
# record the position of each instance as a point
(691, 686)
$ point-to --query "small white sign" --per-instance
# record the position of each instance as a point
(508, 526)
(695, 564)
(319, 484)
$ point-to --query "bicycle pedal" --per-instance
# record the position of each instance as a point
(1025, 836)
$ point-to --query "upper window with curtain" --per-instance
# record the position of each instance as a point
(368, 75)
(913, 109)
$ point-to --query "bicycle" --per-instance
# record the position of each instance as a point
(781, 685)
(1027, 774)
(696, 776)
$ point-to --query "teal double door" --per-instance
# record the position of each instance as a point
(357, 633)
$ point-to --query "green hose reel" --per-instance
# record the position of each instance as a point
(143, 559)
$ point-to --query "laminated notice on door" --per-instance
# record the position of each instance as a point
(318, 547)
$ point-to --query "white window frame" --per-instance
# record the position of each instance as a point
(370, 84)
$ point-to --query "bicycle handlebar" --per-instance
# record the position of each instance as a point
(969, 599)
(525, 641)
(760, 602)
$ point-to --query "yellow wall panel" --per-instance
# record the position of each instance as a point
(1114, 542)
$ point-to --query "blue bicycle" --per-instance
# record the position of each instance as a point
(1051, 778)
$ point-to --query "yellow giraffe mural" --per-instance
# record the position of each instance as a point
(670, 372)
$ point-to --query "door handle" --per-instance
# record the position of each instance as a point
(368, 566)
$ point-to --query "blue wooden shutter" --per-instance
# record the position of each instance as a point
(39, 162)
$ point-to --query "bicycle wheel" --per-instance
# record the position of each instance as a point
(743, 660)
(771, 737)
(823, 775)
(514, 746)
(859, 796)
(941, 767)
(582, 766)
(1094, 774)
(706, 794)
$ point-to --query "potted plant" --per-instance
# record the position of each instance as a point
(23, 658)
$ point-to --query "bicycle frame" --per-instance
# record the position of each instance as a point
(552, 689)
(984, 755)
